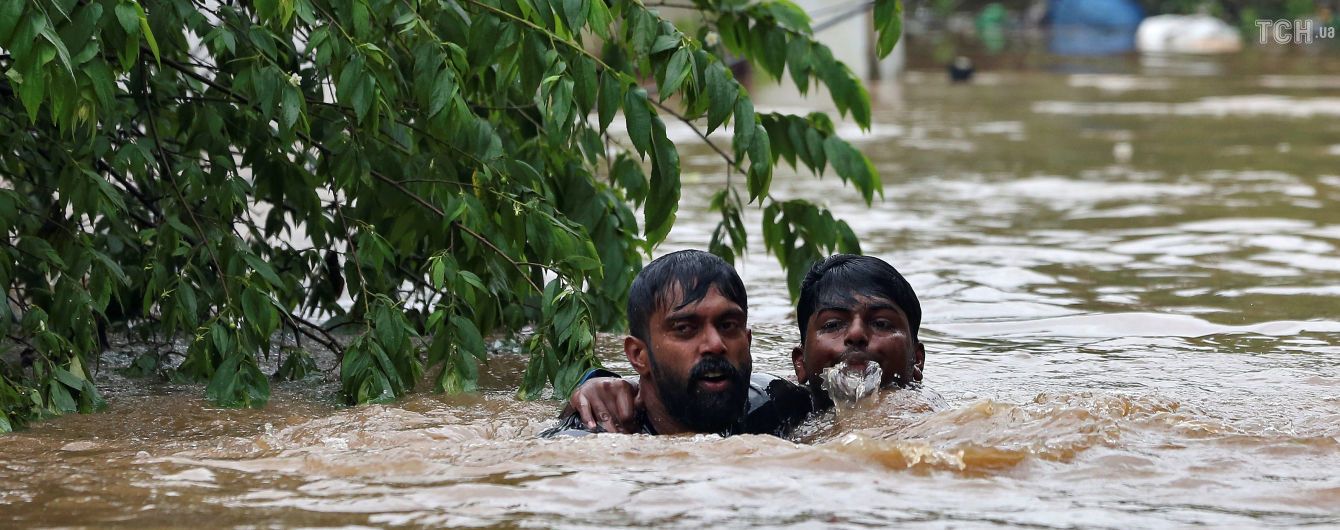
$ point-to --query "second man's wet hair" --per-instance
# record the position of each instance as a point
(693, 272)
(835, 280)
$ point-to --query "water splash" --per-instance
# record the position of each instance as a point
(850, 384)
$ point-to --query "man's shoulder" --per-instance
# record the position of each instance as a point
(771, 387)
(776, 406)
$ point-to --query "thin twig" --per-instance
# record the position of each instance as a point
(730, 160)
(132, 190)
(328, 341)
(172, 183)
(358, 262)
(674, 5)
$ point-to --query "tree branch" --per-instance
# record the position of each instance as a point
(172, 183)
(325, 339)
(729, 160)
(212, 84)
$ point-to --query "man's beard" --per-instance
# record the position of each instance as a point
(698, 409)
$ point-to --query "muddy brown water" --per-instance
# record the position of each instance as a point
(1131, 289)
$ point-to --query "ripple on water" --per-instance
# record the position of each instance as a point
(1245, 105)
(401, 470)
(1112, 325)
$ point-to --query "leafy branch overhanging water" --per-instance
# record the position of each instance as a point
(217, 169)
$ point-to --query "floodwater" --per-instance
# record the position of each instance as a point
(1131, 287)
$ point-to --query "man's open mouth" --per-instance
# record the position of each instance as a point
(715, 380)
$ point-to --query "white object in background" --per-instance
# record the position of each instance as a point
(1198, 34)
(1122, 151)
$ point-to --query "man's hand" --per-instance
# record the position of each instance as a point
(608, 402)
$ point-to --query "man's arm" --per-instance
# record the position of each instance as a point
(603, 399)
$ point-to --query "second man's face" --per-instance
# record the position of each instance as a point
(701, 362)
(860, 329)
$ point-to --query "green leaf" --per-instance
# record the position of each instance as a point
(629, 175)
(362, 18)
(584, 82)
(637, 114)
(356, 88)
(545, 12)
(221, 338)
(471, 279)
(256, 306)
(297, 365)
(264, 269)
(744, 125)
(527, 9)
(444, 89)
(148, 33)
(532, 384)
(760, 165)
(186, 300)
(90, 400)
(39, 248)
(449, 380)
(128, 16)
(591, 145)
(33, 89)
(470, 340)
(50, 35)
(583, 263)
(851, 165)
(575, 12)
(722, 92)
(643, 31)
(547, 300)
(889, 22)
(665, 42)
(789, 15)
(143, 366)
(68, 379)
(223, 385)
(847, 240)
(11, 12)
(611, 93)
(798, 61)
(600, 18)
(676, 72)
(291, 106)
(61, 400)
(773, 51)
(663, 200)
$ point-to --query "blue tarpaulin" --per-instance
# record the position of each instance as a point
(1093, 27)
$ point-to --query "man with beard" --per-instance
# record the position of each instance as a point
(852, 309)
(689, 343)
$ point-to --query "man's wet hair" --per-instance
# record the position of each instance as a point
(837, 279)
(692, 271)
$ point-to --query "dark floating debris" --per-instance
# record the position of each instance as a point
(961, 70)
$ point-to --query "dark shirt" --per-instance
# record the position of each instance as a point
(775, 406)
